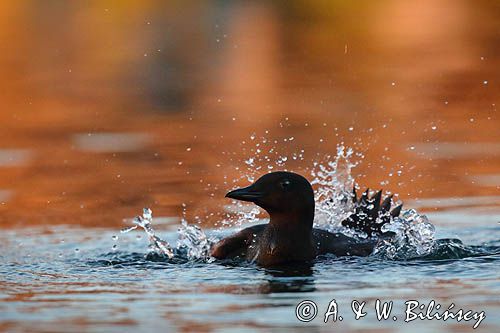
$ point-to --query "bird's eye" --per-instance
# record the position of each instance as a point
(285, 184)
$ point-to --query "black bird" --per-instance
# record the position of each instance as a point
(289, 236)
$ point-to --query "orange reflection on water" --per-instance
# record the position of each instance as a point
(111, 107)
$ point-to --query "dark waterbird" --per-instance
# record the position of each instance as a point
(289, 236)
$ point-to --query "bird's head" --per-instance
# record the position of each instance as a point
(285, 195)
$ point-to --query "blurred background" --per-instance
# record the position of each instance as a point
(110, 106)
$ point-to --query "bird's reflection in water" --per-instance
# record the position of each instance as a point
(296, 277)
(291, 278)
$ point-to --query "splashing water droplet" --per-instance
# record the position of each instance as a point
(128, 229)
(334, 190)
(414, 237)
(147, 214)
(156, 244)
(193, 239)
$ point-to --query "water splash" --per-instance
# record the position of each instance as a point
(333, 195)
(413, 233)
(414, 237)
(156, 244)
(194, 241)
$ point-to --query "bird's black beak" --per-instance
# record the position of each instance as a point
(245, 194)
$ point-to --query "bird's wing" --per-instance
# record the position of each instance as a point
(237, 244)
(341, 245)
(370, 213)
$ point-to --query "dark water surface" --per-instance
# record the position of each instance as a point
(109, 107)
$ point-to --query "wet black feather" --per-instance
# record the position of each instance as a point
(369, 214)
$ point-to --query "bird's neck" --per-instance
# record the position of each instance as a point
(286, 237)
(297, 222)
